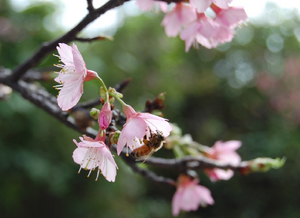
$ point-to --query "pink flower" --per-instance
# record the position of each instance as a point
(228, 20)
(229, 17)
(105, 116)
(202, 5)
(226, 153)
(200, 31)
(91, 154)
(210, 32)
(189, 195)
(146, 5)
(136, 127)
(180, 16)
(72, 76)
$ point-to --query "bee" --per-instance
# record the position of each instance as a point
(154, 143)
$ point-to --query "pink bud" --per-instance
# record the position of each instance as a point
(105, 116)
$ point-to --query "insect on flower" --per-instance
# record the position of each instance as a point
(154, 143)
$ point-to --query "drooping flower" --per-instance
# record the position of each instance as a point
(230, 17)
(181, 15)
(136, 127)
(224, 152)
(72, 76)
(105, 116)
(146, 5)
(202, 5)
(200, 31)
(210, 32)
(91, 154)
(189, 195)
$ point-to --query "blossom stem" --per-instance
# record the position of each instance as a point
(103, 84)
(118, 98)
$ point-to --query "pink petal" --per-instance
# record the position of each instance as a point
(65, 53)
(78, 61)
(209, 28)
(145, 5)
(181, 15)
(78, 90)
(121, 143)
(66, 100)
(190, 200)
(227, 146)
(160, 125)
(232, 16)
(222, 3)
(176, 201)
(219, 174)
(204, 195)
(108, 170)
(79, 154)
(190, 30)
(200, 5)
(106, 152)
(136, 127)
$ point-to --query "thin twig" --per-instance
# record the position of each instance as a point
(90, 5)
(48, 47)
(91, 39)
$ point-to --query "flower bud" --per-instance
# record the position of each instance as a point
(105, 116)
(114, 137)
(94, 113)
(263, 164)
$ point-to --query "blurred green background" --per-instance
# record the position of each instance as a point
(245, 90)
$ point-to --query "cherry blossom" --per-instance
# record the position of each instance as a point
(210, 32)
(189, 195)
(137, 126)
(181, 15)
(230, 17)
(105, 116)
(146, 5)
(200, 31)
(72, 76)
(91, 154)
(226, 153)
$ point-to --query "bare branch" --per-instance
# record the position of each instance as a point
(48, 47)
(92, 39)
(144, 172)
(90, 5)
(41, 98)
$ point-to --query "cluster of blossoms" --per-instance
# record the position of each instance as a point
(91, 154)
(189, 20)
(94, 153)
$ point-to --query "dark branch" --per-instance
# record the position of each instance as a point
(48, 47)
(41, 98)
(90, 39)
(90, 6)
(144, 172)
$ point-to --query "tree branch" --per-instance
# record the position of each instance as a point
(47, 47)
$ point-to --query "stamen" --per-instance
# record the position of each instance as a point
(89, 173)
(97, 175)
(79, 169)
